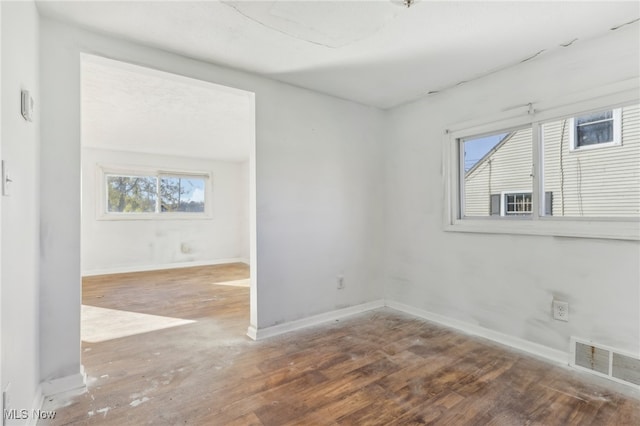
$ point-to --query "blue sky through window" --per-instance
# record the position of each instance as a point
(476, 148)
(191, 189)
(182, 194)
(195, 190)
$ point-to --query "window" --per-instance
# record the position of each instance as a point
(593, 183)
(182, 194)
(517, 203)
(131, 194)
(494, 165)
(145, 194)
(538, 173)
(595, 130)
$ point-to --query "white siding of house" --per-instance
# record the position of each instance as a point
(508, 169)
(598, 182)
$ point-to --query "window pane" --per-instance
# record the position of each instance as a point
(598, 116)
(182, 194)
(496, 165)
(517, 204)
(592, 182)
(131, 194)
(590, 134)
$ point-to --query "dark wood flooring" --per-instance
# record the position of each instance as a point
(377, 368)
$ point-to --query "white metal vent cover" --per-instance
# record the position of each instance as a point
(605, 361)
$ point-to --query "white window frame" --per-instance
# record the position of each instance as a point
(612, 96)
(503, 206)
(102, 213)
(617, 132)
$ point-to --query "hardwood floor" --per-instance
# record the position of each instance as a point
(377, 368)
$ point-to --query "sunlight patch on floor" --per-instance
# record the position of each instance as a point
(235, 283)
(101, 324)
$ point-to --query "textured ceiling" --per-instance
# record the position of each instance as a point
(373, 52)
(131, 108)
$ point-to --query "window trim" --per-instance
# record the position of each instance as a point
(617, 131)
(611, 96)
(103, 171)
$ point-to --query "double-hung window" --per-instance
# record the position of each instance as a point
(541, 173)
(596, 130)
(144, 194)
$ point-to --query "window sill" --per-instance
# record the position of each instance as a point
(556, 227)
(586, 148)
(155, 216)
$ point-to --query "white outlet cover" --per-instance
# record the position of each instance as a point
(561, 310)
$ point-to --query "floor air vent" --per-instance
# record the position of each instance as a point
(605, 361)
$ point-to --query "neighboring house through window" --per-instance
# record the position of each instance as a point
(516, 203)
(548, 165)
(595, 130)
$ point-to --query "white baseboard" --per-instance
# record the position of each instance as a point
(38, 400)
(275, 330)
(75, 383)
(144, 268)
(536, 349)
(552, 355)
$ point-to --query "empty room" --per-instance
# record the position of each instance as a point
(368, 212)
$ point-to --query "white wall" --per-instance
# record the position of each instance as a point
(319, 172)
(127, 245)
(506, 282)
(245, 211)
(20, 211)
(337, 183)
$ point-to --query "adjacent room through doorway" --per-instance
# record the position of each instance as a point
(166, 203)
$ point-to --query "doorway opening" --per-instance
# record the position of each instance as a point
(168, 212)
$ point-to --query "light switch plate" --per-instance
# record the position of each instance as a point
(5, 180)
(26, 105)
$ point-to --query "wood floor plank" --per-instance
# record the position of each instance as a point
(378, 368)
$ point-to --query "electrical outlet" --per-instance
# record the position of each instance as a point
(560, 310)
(340, 281)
